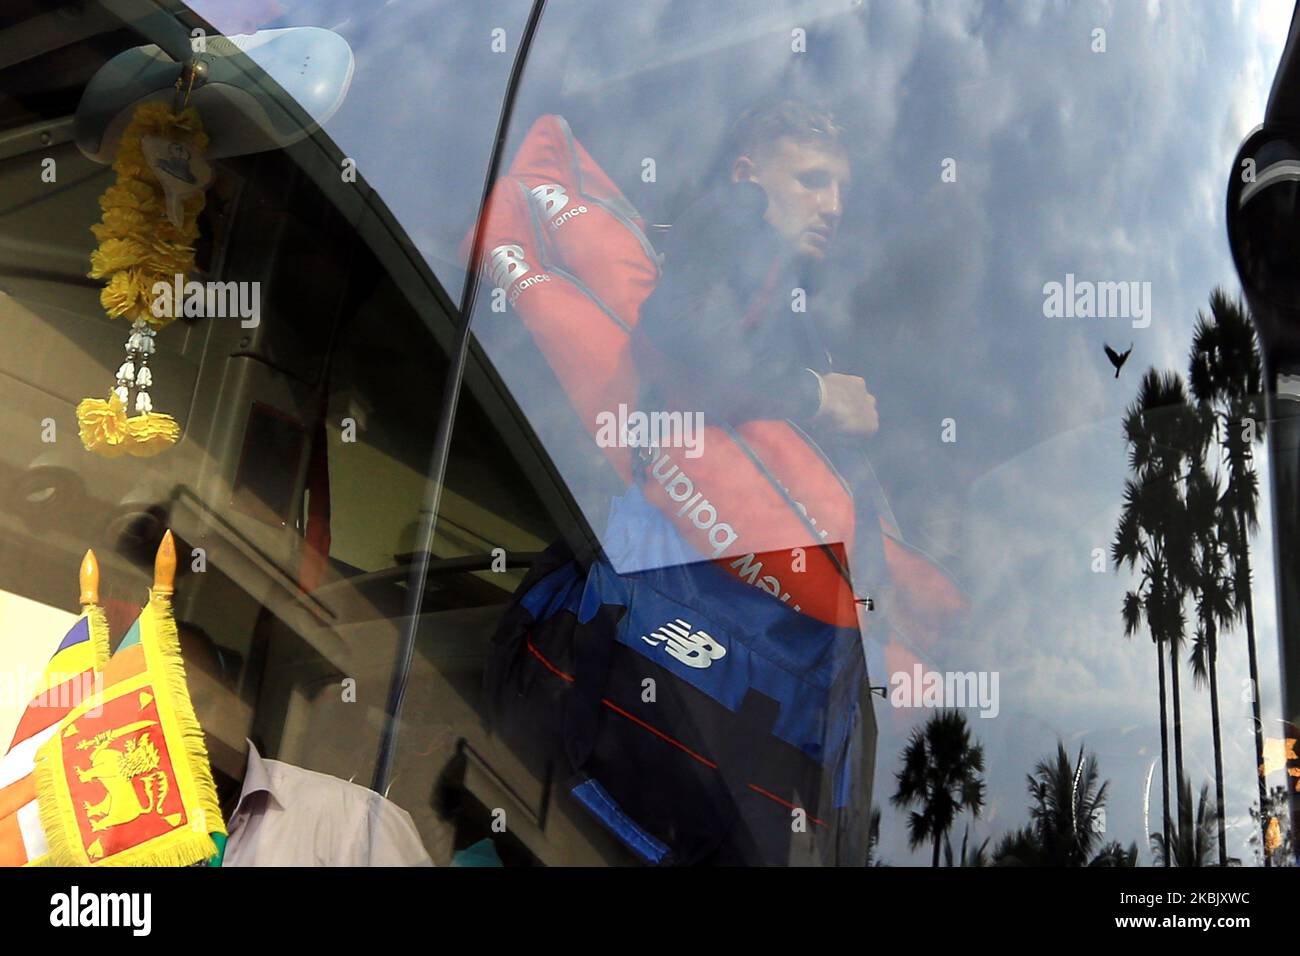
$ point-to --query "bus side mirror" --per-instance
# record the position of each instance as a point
(1263, 216)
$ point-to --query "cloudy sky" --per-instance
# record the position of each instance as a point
(1110, 166)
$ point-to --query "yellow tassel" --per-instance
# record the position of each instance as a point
(151, 433)
(103, 425)
(107, 431)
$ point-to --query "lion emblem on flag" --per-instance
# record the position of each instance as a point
(117, 771)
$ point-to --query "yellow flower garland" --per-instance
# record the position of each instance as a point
(138, 247)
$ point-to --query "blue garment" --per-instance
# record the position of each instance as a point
(812, 670)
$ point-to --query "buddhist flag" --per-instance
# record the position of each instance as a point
(125, 780)
(72, 677)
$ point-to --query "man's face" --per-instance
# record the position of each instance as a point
(805, 184)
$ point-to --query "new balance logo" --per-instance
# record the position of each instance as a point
(692, 648)
(550, 198)
(508, 264)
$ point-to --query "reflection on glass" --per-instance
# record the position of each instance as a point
(854, 391)
(822, 338)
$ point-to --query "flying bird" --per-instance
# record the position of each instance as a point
(1117, 359)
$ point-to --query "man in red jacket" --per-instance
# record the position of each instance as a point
(719, 333)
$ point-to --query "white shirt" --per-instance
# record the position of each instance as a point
(288, 816)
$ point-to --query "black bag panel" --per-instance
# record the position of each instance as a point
(714, 785)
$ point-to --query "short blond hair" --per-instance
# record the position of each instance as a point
(765, 123)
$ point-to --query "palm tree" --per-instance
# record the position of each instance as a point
(1019, 848)
(941, 772)
(1192, 844)
(1114, 854)
(1066, 802)
(977, 857)
(1162, 432)
(1212, 586)
(1226, 376)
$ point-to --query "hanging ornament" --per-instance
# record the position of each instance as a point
(146, 236)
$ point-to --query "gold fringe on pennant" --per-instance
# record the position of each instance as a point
(56, 816)
(97, 622)
(167, 650)
(99, 634)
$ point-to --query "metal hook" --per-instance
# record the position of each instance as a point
(192, 72)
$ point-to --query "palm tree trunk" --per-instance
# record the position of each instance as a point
(935, 861)
(1184, 811)
(1164, 753)
(1254, 692)
(1210, 632)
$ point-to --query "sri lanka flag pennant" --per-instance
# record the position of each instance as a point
(72, 676)
(125, 780)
